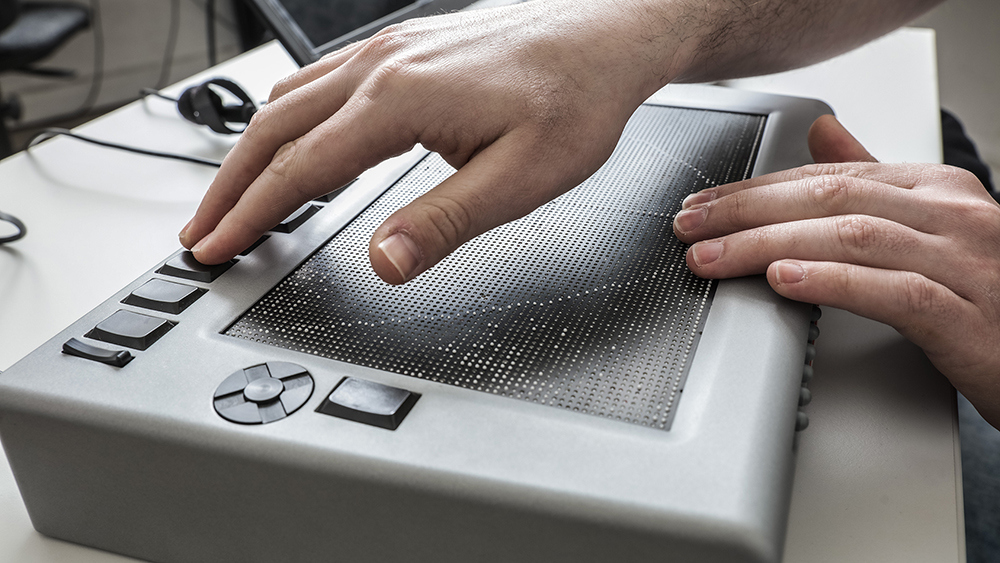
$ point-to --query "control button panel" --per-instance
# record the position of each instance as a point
(369, 403)
(132, 330)
(183, 265)
(164, 296)
(263, 393)
(116, 358)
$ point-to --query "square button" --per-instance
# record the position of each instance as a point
(369, 403)
(164, 296)
(184, 265)
(129, 329)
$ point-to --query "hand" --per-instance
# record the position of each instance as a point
(916, 246)
(523, 109)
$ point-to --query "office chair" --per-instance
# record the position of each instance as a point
(30, 32)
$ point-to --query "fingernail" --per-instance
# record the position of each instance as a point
(201, 244)
(789, 272)
(182, 236)
(706, 252)
(687, 221)
(703, 196)
(402, 252)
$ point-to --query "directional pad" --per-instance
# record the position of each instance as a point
(263, 393)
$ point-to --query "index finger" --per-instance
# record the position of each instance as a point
(276, 124)
(324, 158)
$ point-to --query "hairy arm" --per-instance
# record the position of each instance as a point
(737, 38)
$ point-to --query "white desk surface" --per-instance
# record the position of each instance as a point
(878, 475)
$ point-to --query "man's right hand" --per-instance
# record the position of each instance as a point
(523, 109)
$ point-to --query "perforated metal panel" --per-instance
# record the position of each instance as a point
(585, 304)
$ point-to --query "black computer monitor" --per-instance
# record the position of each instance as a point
(309, 29)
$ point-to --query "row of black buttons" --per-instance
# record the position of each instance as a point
(139, 331)
(805, 395)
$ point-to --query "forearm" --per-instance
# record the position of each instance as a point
(697, 41)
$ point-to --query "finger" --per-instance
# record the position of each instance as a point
(855, 239)
(498, 185)
(903, 176)
(311, 72)
(328, 156)
(809, 198)
(926, 312)
(829, 141)
(275, 125)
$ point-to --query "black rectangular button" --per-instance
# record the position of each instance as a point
(185, 266)
(369, 403)
(117, 358)
(295, 220)
(133, 330)
(327, 198)
(164, 296)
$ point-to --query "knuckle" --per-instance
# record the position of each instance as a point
(920, 296)
(820, 169)
(259, 126)
(449, 221)
(280, 88)
(283, 161)
(286, 165)
(856, 231)
(983, 214)
(389, 40)
(934, 173)
(832, 192)
(847, 169)
(393, 74)
(736, 208)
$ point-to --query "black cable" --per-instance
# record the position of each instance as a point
(97, 80)
(154, 92)
(21, 229)
(220, 18)
(210, 31)
(168, 54)
(55, 131)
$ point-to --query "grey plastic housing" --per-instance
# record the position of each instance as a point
(135, 460)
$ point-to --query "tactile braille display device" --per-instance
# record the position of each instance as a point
(561, 388)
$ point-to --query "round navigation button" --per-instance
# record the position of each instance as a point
(263, 390)
(263, 393)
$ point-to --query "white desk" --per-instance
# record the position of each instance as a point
(878, 476)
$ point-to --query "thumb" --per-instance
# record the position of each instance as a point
(829, 141)
(497, 186)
